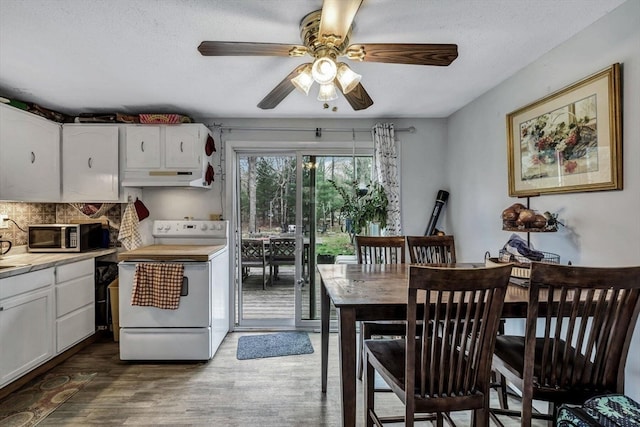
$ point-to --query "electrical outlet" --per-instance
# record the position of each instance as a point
(3, 222)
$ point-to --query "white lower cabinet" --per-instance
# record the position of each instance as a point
(43, 313)
(26, 323)
(75, 303)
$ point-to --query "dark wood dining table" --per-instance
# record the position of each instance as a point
(374, 292)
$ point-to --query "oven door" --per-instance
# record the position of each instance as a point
(194, 310)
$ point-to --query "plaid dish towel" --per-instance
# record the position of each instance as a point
(157, 285)
(129, 228)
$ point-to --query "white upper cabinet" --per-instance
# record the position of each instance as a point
(89, 163)
(143, 147)
(168, 156)
(183, 148)
(29, 156)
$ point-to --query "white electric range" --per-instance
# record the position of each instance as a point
(196, 328)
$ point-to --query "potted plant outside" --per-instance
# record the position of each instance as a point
(362, 206)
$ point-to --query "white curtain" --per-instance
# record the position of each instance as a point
(385, 166)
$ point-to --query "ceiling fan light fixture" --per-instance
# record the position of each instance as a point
(347, 78)
(327, 92)
(324, 70)
(304, 80)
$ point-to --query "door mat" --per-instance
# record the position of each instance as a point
(39, 398)
(273, 345)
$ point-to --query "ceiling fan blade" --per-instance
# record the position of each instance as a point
(212, 48)
(358, 98)
(336, 19)
(404, 53)
(281, 91)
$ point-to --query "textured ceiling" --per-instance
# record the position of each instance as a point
(136, 56)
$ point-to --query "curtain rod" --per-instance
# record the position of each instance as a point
(318, 130)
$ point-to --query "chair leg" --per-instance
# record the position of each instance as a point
(480, 418)
(527, 407)
(264, 278)
(361, 350)
(369, 390)
(502, 391)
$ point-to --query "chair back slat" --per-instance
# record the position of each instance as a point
(252, 250)
(380, 249)
(587, 328)
(462, 307)
(432, 249)
(282, 249)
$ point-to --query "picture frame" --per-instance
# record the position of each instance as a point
(569, 141)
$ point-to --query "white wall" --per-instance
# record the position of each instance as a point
(603, 228)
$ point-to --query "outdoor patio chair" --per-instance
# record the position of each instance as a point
(253, 255)
(282, 251)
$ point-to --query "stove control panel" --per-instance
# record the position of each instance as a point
(190, 228)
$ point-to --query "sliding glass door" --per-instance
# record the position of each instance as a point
(288, 215)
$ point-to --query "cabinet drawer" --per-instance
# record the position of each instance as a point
(74, 294)
(16, 285)
(71, 271)
(75, 327)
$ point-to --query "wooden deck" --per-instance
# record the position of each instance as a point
(277, 301)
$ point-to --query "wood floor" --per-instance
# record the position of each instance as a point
(279, 391)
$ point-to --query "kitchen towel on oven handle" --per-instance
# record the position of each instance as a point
(157, 285)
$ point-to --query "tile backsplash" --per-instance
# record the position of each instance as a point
(49, 213)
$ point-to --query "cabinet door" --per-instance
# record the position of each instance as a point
(89, 163)
(26, 333)
(29, 157)
(183, 147)
(143, 147)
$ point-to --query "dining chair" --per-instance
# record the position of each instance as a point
(442, 250)
(253, 255)
(282, 251)
(379, 250)
(447, 366)
(432, 249)
(579, 325)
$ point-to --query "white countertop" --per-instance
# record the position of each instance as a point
(25, 262)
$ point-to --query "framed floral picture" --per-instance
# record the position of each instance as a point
(569, 141)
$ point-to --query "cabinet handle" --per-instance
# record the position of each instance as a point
(90, 162)
(33, 157)
(142, 146)
(181, 150)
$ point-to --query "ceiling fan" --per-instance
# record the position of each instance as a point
(325, 36)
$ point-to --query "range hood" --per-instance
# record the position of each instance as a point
(169, 178)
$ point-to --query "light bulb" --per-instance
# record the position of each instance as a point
(327, 92)
(303, 80)
(324, 70)
(347, 78)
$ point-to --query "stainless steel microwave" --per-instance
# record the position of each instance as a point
(65, 237)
